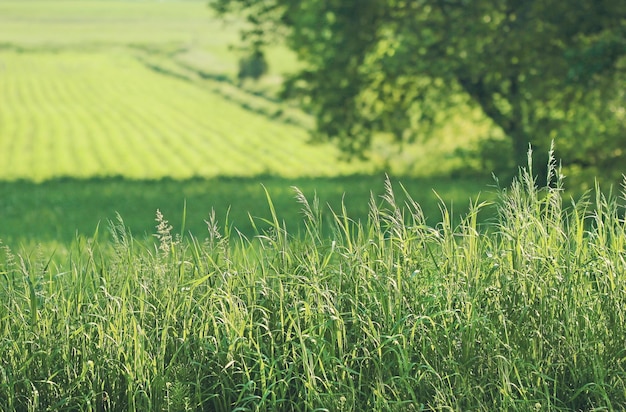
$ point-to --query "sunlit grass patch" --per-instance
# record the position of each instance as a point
(102, 114)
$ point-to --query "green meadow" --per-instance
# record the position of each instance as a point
(171, 241)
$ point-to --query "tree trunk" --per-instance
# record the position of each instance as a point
(515, 125)
(521, 143)
(512, 122)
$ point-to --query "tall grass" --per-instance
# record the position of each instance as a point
(385, 314)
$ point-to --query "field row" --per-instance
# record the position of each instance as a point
(83, 114)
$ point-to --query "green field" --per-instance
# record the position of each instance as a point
(86, 114)
(56, 211)
(81, 101)
(169, 241)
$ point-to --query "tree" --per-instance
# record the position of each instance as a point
(252, 66)
(540, 69)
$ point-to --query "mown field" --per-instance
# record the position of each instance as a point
(86, 114)
(169, 241)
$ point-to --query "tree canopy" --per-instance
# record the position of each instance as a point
(542, 70)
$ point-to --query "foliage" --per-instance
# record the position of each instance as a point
(252, 66)
(387, 314)
(541, 70)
